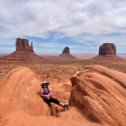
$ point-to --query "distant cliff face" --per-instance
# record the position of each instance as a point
(23, 45)
(66, 54)
(24, 53)
(107, 49)
(66, 50)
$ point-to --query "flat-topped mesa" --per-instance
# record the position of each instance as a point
(66, 50)
(107, 49)
(23, 45)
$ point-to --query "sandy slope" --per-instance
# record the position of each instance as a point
(19, 92)
(24, 57)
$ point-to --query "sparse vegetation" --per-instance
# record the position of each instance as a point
(63, 69)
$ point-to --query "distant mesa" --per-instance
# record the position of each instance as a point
(66, 50)
(66, 54)
(24, 52)
(107, 51)
(23, 45)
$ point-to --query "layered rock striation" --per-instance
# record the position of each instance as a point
(100, 93)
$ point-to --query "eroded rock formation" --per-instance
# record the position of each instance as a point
(19, 92)
(24, 53)
(66, 54)
(100, 93)
(107, 49)
(20, 104)
(23, 45)
(66, 50)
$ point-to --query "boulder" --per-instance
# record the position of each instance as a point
(100, 93)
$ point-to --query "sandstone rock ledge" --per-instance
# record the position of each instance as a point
(100, 93)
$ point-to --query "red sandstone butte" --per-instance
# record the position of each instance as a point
(24, 53)
(66, 54)
(107, 51)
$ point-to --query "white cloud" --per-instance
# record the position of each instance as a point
(37, 17)
(46, 45)
(71, 17)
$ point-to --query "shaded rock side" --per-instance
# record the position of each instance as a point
(100, 93)
(19, 92)
(107, 49)
(23, 45)
(66, 50)
(66, 54)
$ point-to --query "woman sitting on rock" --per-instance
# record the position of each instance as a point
(46, 95)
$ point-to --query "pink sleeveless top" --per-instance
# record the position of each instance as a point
(45, 91)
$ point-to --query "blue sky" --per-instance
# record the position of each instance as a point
(83, 25)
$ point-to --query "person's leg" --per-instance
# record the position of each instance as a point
(46, 100)
(49, 105)
(53, 100)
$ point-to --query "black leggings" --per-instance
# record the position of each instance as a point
(52, 100)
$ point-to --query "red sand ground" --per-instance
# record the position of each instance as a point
(21, 105)
(98, 98)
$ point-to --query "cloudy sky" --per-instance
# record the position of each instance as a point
(83, 25)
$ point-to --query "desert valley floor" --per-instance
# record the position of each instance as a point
(88, 93)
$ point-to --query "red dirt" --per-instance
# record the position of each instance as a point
(98, 98)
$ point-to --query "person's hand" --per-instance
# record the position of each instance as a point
(48, 97)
